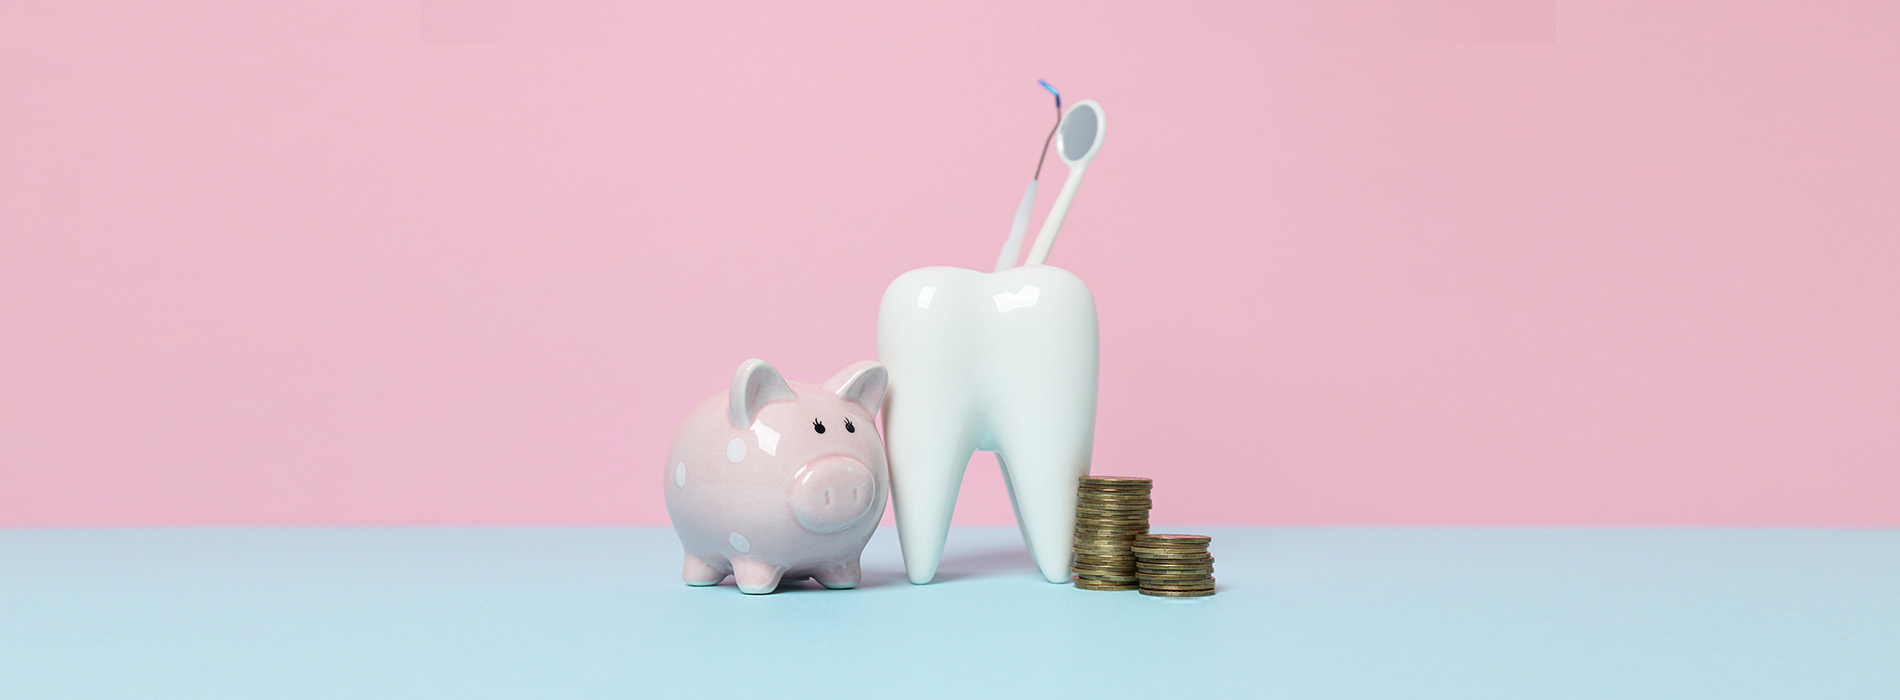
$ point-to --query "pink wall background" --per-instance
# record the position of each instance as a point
(1388, 262)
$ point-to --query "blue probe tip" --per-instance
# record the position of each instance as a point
(1052, 90)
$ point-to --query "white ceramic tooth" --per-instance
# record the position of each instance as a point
(1003, 361)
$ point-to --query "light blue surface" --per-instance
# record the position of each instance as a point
(579, 612)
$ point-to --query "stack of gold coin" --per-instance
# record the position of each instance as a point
(1109, 512)
(1173, 566)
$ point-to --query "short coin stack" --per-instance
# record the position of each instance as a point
(1109, 512)
(1173, 566)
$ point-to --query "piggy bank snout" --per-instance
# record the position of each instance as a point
(832, 494)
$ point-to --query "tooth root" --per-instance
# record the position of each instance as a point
(931, 440)
(699, 572)
(1044, 451)
(755, 576)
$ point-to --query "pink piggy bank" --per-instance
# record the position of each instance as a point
(778, 480)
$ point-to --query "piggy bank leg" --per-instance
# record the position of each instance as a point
(845, 575)
(755, 576)
(700, 573)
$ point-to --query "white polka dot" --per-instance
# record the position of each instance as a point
(735, 450)
(679, 474)
(739, 543)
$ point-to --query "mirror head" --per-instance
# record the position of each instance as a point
(1081, 133)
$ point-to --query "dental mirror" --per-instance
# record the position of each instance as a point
(1078, 139)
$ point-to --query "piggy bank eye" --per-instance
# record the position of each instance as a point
(818, 425)
(848, 427)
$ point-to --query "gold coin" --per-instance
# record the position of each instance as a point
(1146, 553)
(1180, 564)
(1199, 571)
(1165, 582)
(1177, 594)
(1202, 560)
(1163, 538)
(1200, 585)
(1175, 563)
(1106, 587)
(1108, 479)
(1144, 549)
(1173, 590)
(1170, 557)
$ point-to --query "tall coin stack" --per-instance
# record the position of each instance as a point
(1173, 566)
(1109, 512)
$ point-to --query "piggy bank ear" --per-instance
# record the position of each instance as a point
(756, 384)
(863, 382)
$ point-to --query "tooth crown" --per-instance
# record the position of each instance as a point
(777, 497)
(1004, 361)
